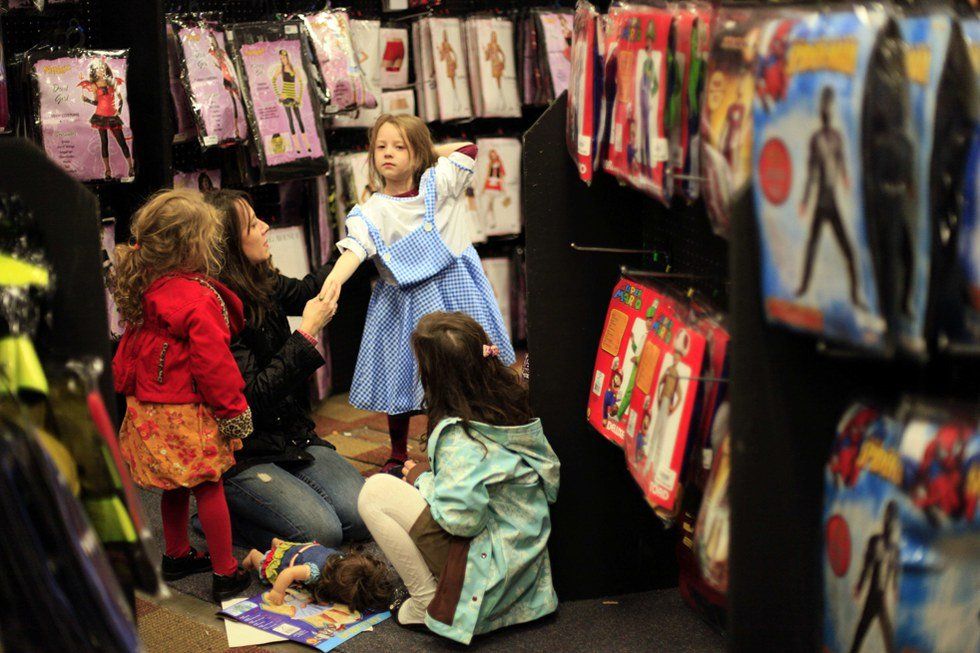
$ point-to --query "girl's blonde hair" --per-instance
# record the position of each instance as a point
(417, 137)
(175, 230)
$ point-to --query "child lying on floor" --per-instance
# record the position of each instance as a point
(359, 581)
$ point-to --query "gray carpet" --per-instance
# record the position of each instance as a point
(648, 621)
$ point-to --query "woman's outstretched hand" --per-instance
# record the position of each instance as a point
(317, 315)
(330, 292)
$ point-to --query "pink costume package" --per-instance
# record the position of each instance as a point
(330, 35)
(209, 79)
(283, 110)
(82, 116)
(183, 118)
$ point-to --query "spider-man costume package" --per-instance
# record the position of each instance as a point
(635, 144)
(901, 535)
(936, 65)
(824, 173)
(283, 110)
(82, 114)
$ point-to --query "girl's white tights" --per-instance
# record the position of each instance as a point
(389, 507)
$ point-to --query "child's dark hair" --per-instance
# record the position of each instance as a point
(459, 381)
(358, 580)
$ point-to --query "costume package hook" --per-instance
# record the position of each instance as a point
(283, 111)
(210, 81)
(819, 185)
(81, 111)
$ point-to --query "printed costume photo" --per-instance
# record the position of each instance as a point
(82, 112)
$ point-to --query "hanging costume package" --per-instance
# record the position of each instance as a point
(726, 117)
(637, 150)
(661, 391)
(498, 185)
(365, 36)
(209, 79)
(74, 135)
(691, 179)
(108, 240)
(495, 84)
(200, 180)
(530, 76)
(960, 289)
(452, 81)
(183, 118)
(499, 271)
(330, 35)
(937, 65)
(398, 103)
(393, 42)
(828, 157)
(282, 108)
(901, 533)
(425, 71)
(5, 125)
(554, 51)
(711, 532)
(583, 91)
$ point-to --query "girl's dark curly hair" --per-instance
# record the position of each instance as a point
(358, 580)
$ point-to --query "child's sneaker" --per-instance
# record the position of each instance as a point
(192, 563)
(228, 587)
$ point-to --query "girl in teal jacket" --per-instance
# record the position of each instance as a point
(468, 530)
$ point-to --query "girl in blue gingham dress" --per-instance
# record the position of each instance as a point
(417, 232)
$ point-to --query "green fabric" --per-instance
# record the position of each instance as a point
(494, 486)
(20, 369)
(14, 272)
(110, 519)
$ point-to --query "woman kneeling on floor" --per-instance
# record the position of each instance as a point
(468, 531)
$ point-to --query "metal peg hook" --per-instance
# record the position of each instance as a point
(654, 274)
(609, 250)
(691, 178)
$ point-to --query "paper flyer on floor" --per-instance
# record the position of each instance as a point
(322, 626)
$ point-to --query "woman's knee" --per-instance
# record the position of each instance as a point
(374, 491)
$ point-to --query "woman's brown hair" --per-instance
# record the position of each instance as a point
(253, 283)
(459, 381)
(174, 231)
(358, 580)
(417, 137)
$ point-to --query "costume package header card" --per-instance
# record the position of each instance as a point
(662, 397)
(726, 113)
(901, 567)
(638, 151)
(617, 364)
(818, 274)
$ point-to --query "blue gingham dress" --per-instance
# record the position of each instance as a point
(428, 278)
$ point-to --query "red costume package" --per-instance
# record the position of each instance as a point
(582, 91)
(636, 55)
(659, 419)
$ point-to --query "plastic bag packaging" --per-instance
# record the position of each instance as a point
(393, 45)
(330, 35)
(366, 38)
(81, 111)
(449, 58)
(183, 118)
(554, 52)
(210, 81)
(4, 101)
(283, 111)
(425, 71)
(584, 91)
(493, 71)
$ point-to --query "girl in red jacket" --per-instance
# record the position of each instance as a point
(185, 408)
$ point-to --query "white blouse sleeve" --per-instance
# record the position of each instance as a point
(358, 238)
(453, 174)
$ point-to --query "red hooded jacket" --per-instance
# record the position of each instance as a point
(181, 352)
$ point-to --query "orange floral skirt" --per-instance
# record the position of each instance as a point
(173, 445)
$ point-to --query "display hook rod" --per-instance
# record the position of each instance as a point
(609, 250)
(632, 272)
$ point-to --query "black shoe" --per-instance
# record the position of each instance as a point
(396, 606)
(394, 467)
(192, 563)
(228, 587)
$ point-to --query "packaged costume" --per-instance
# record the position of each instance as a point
(398, 103)
(712, 530)
(498, 185)
(726, 117)
(108, 276)
(330, 35)
(183, 118)
(901, 537)
(499, 271)
(210, 81)
(493, 70)
(352, 175)
(452, 83)
(73, 134)
(4, 102)
(365, 37)
(283, 111)
(199, 180)
(691, 173)
(936, 64)
(960, 289)
(393, 42)
(637, 149)
(425, 71)
(421, 247)
(583, 90)
(554, 48)
(827, 154)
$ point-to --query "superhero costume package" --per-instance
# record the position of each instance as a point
(901, 563)
(636, 46)
(824, 171)
(936, 64)
(330, 35)
(82, 115)
(283, 111)
(210, 82)
(624, 336)
(960, 299)
(662, 390)
(584, 88)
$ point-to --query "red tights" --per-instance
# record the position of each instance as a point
(213, 511)
(398, 432)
